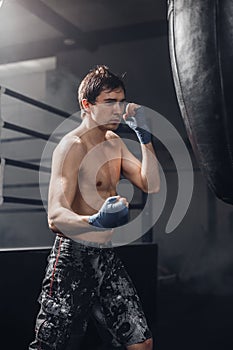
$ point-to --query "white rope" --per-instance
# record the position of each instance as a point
(2, 167)
(2, 91)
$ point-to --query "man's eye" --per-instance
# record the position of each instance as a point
(112, 103)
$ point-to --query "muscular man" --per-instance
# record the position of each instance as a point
(84, 276)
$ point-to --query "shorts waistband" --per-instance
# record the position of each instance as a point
(88, 243)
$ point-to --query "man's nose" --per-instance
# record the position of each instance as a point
(118, 107)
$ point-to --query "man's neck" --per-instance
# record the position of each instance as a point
(92, 132)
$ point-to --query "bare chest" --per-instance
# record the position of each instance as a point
(100, 170)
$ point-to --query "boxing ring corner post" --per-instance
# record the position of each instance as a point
(2, 167)
(2, 160)
(2, 91)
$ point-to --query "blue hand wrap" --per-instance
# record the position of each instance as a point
(138, 124)
(112, 214)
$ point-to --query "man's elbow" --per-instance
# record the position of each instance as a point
(151, 187)
(53, 221)
(150, 190)
(156, 189)
(153, 190)
(52, 226)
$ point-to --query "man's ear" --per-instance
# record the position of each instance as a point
(86, 105)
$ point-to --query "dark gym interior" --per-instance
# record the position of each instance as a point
(184, 277)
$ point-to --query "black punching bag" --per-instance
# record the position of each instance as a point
(201, 51)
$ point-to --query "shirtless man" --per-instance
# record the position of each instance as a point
(84, 276)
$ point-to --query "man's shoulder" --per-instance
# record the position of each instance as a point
(111, 135)
(70, 143)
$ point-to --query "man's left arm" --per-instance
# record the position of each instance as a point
(144, 174)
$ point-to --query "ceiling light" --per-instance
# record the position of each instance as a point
(69, 41)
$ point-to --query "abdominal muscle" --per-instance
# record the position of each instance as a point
(89, 207)
(90, 195)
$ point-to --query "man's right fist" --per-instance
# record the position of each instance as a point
(134, 117)
(113, 213)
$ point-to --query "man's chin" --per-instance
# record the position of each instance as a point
(111, 126)
(114, 126)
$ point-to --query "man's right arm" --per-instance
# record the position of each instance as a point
(63, 185)
(67, 158)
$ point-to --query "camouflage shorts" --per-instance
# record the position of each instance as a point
(83, 282)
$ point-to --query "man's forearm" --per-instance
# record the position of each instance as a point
(135, 119)
(150, 170)
(65, 221)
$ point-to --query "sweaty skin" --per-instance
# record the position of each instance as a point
(87, 165)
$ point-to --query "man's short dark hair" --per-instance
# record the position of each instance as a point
(97, 80)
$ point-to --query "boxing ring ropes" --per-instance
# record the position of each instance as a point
(38, 203)
(22, 164)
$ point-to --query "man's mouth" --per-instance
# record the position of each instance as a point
(114, 121)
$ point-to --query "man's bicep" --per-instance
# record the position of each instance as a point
(131, 166)
(64, 177)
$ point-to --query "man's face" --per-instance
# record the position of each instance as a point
(109, 108)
